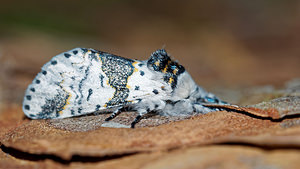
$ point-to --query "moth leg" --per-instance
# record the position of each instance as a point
(136, 120)
(114, 114)
(147, 106)
(141, 112)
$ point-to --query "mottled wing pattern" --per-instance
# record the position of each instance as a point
(62, 86)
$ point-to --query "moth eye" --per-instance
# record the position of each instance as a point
(207, 100)
(210, 100)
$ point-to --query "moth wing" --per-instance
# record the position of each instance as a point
(67, 86)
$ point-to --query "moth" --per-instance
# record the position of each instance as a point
(83, 81)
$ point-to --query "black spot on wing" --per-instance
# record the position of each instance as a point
(72, 112)
(32, 116)
(32, 89)
(44, 72)
(79, 110)
(155, 91)
(27, 107)
(98, 107)
(67, 55)
(140, 64)
(37, 81)
(28, 97)
(142, 73)
(75, 52)
(53, 62)
(137, 88)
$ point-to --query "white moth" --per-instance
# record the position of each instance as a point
(83, 81)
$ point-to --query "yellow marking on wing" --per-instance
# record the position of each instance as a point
(171, 80)
(68, 99)
(98, 56)
(67, 103)
(135, 69)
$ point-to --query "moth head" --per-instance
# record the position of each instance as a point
(188, 89)
(158, 60)
(161, 62)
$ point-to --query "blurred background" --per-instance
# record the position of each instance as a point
(221, 43)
